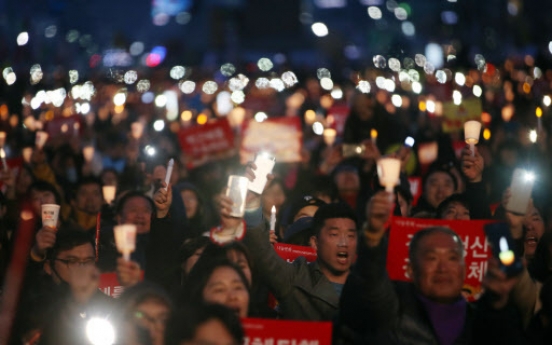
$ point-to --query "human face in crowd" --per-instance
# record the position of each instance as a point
(39, 198)
(439, 186)
(137, 210)
(212, 332)
(152, 314)
(534, 229)
(76, 258)
(404, 205)
(227, 288)
(438, 269)
(24, 180)
(239, 258)
(273, 196)
(347, 182)
(191, 202)
(336, 246)
(456, 211)
(89, 198)
(191, 261)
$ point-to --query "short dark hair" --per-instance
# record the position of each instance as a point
(43, 186)
(67, 240)
(215, 252)
(454, 198)
(420, 235)
(440, 169)
(200, 275)
(140, 293)
(330, 211)
(183, 324)
(132, 194)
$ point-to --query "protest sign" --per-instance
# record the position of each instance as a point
(280, 332)
(290, 252)
(454, 115)
(337, 116)
(213, 140)
(471, 232)
(109, 284)
(282, 137)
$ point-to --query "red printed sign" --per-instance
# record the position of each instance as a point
(208, 141)
(109, 284)
(290, 252)
(279, 332)
(471, 232)
(282, 137)
(337, 116)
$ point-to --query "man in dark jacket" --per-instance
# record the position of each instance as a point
(430, 310)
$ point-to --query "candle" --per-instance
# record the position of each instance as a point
(329, 136)
(472, 130)
(389, 170)
(88, 153)
(169, 173)
(538, 112)
(3, 156)
(2, 139)
(125, 239)
(273, 218)
(109, 193)
(374, 136)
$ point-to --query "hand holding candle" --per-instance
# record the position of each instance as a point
(2, 139)
(329, 136)
(109, 193)
(88, 153)
(50, 215)
(374, 136)
(3, 157)
(389, 170)
(472, 130)
(125, 239)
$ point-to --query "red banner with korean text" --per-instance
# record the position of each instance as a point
(337, 116)
(280, 332)
(477, 250)
(290, 252)
(281, 136)
(109, 284)
(211, 141)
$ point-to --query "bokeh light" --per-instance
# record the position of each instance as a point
(320, 29)
(22, 38)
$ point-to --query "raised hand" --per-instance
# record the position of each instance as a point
(498, 283)
(253, 200)
(378, 210)
(45, 239)
(472, 167)
(163, 200)
(128, 272)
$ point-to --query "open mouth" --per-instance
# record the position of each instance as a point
(342, 257)
(531, 240)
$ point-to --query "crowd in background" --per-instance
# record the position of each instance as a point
(329, 202)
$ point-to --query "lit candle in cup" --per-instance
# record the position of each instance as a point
(374, 136)
(136, 130)
(88, 153)
(3, 156)
(109, 193)
(389, 170)
(125, 239)
(472, 130)
(273, 218)
(329, 136)
(538, 113)
(2, 139)
(27, 153)
(41, 138)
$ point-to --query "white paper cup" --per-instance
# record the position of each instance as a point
(27, 153)
(125, 239)
(109, 193)
(389, 170)
(472, 130)
(41, 138)
(237, 191)
(50, 215)
(329, 136)
(88, 153)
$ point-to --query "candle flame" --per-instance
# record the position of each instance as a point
(2, 153)
(538, 112)
(373, 134)
(273, 210)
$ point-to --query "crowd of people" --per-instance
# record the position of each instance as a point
(197, 270)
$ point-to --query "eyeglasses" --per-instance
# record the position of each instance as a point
(145, 318)
(74, 263)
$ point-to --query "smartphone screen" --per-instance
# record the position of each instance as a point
(409, 141)
(521, 188)
(504, 248)
(352, 150)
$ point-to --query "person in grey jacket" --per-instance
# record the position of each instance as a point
(305, 291)
(431, 309)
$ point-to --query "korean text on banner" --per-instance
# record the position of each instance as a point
(109, 284)
(477, 250)
(290, 252)
(280, 332)
(282, 137)
(209, 141)
(454, 115)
